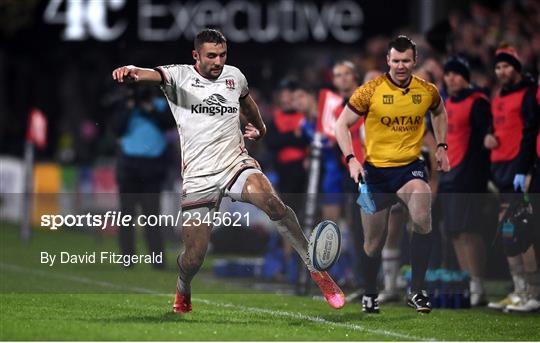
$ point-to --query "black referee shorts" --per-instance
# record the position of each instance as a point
(383, 183)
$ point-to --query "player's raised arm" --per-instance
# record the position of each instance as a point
(132, 73)
(346, 119)
(255, 129)
(439, 120)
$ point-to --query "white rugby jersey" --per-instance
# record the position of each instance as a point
(207, 113)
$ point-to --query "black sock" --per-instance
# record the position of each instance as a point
(370, 270)
(420, 251)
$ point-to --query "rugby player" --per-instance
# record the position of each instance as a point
(206, 100)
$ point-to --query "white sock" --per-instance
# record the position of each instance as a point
(390, 266)
(290, 229)
(520, 284)
(518, 277)
(477, 285)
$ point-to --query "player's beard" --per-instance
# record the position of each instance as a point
(211, 72)
(216, 71)
(206, 71)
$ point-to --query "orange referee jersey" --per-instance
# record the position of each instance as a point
(394, 122)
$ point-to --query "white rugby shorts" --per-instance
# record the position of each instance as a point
(208, 190)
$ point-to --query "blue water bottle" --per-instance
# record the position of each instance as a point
(446, 289)
(431, 286)
(465, 286)
(457, 290)
(437, 292)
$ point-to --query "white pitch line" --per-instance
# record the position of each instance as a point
(275, 313)
(293, 315)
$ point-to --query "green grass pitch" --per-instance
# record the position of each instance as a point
(105, 302)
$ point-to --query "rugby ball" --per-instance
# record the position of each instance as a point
(324, 245)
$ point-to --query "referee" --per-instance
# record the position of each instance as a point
(394, 105)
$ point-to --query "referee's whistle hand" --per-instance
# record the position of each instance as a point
(442, 160)
(355, 169)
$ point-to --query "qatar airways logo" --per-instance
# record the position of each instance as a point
(402, 123)
(214, 104)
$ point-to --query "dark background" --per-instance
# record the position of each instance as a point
(70, 80)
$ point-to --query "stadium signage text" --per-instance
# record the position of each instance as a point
(240, 20)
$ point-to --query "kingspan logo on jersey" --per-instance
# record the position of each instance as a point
(214, 104)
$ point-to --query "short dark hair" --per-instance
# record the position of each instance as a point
(208, 36)
(402, 43)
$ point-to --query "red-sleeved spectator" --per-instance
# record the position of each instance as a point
(289, 145)
(469, 117)
(285, 138)
(514, 111)
(529, 162)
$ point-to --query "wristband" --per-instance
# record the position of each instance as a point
(442, 145)
(348, 158)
